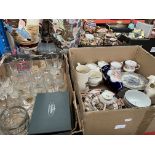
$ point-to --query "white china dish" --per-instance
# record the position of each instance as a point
(137, 98)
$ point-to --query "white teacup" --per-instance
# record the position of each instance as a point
(130, 66)
(82, 73)
(115, 65)
(95, 78)
(102, 63)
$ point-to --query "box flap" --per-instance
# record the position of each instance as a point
(94, 54)
(146, 61)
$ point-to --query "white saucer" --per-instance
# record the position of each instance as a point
(94, 84)
(128, 70)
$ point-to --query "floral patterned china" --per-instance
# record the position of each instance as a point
(133, 81)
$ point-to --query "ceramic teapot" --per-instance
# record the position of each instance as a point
(150, 88)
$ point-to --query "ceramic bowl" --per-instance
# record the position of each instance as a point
(95, 78)
(93, 66)
(94, 81)
(137, 98)
(82, 68)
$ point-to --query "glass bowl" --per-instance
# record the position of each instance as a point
(14, 121)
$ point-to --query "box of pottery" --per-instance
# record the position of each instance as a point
(120, 101)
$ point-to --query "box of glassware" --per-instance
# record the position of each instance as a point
(23, 79)
(115, 88)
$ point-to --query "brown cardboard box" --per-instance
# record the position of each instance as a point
(76, 124)
(123, 121)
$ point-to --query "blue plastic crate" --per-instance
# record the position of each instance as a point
(4, 43)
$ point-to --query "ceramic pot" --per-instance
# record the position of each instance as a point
(150, 88)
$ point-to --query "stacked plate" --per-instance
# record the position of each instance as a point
(133, 81)
(135, 98)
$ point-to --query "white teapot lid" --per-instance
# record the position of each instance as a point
(108, 95)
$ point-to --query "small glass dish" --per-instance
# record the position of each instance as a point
(14, 121)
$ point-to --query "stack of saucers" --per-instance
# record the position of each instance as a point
(135, 98)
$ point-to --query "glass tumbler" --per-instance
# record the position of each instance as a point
(59, 81)
(14, 121)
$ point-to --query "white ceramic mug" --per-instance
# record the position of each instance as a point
(115, 65)
(82, 73)
(131, 66)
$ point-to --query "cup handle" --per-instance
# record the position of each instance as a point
(138, 66)
(78, 64)
(104, 107)
(123, 63)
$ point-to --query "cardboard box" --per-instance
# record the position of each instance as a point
(122, 121)
(76, 124)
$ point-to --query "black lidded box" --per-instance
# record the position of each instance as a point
(51, 114)
(146, 43)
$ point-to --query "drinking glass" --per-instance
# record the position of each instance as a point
(57, 59)
(58, 80)
(38, 83)
(4, 87)
(48, 80)
(27, 101)
(2, 105)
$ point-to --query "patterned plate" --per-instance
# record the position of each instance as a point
(134, 81)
